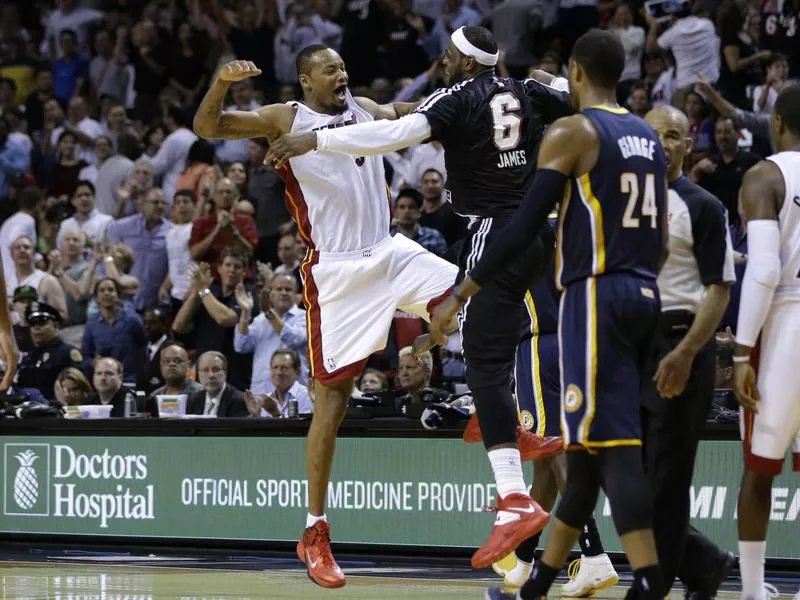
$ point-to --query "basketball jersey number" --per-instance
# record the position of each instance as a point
(506, 123)
(629, 184)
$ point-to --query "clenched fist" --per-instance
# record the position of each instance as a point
(237, 70)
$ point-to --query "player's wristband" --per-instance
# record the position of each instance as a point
(741, 359)
(203, 293)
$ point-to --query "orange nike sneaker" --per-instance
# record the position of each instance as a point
(507, 536)
(314, 549)
(534, 447)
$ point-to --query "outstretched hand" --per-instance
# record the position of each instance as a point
(288, 146)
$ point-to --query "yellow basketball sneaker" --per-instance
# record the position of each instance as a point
(588, 575)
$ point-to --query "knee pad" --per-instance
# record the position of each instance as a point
(628, 491)
(583, 486)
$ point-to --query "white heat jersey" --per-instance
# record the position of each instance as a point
(339, 202)
(789, 224)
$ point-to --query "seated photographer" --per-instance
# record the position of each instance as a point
(290, 397)
(40, 368)
(175, 364)
(72, 388)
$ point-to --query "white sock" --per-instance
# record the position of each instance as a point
(311, 519)
(751, 566)
(507, 467)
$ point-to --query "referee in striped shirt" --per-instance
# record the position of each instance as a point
(695, 288)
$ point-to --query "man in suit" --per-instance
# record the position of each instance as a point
(156, 322)
(217, 399)
(107, 379)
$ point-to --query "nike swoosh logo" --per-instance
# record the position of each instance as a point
(527, 509)
(311, 565)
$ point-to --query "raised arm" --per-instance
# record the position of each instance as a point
(211, 122)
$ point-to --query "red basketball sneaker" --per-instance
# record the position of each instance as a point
(472, 432)
(534, 447)
(527, 519)
(531, 446)
(314, 549)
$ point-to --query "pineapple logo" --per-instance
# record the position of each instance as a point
(26, 479)
(26, 484)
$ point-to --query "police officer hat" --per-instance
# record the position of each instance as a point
(39, 311)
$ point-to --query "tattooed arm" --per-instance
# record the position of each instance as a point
(211, 122)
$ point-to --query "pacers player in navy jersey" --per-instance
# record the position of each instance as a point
(490, 127)
(538, 387)
(609, 170)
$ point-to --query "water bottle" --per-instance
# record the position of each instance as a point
(293, 408)
(141, 403)
(130, 405)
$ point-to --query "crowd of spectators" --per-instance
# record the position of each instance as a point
(139, 256)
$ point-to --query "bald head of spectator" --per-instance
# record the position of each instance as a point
(281, 294)
(174, 364)
(225, 194)
(142, 175)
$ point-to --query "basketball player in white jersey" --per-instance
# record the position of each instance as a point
(355, 274)
(770, 305)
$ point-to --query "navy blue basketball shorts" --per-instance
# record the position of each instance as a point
(538, 385)
(608, 329)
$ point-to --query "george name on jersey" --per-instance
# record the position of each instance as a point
(514, 158)
(631, 145)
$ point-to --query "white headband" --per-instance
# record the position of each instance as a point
(465, 47)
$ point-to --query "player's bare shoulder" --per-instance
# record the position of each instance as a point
(763, 190)
(278, 119)
(570, 145)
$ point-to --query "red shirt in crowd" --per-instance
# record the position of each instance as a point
(203, 227)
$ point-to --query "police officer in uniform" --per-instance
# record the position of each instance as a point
(40, 367)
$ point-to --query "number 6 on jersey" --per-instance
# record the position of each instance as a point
(629, 184)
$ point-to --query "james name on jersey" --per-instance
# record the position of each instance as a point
(514, 158)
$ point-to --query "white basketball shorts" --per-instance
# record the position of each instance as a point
(769, 434)
(351, 299)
